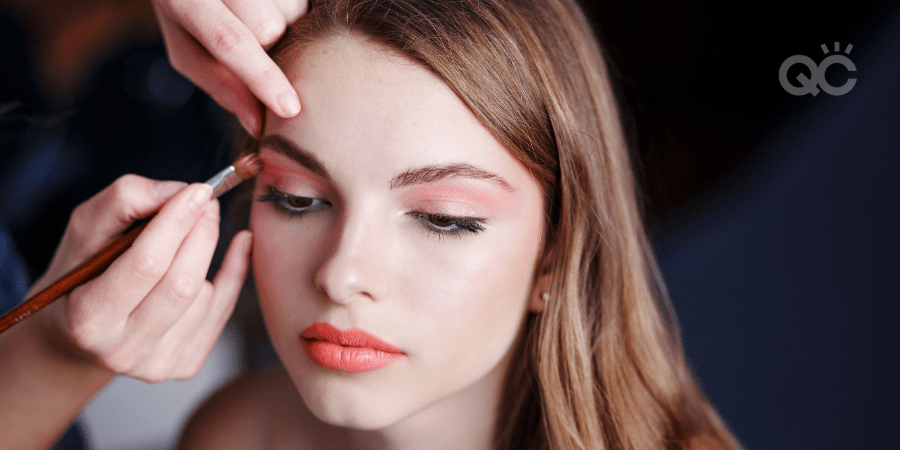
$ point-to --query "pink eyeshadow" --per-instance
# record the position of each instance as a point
(488, 199)
(284, 172)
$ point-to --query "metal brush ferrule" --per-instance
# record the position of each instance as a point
(223, 181)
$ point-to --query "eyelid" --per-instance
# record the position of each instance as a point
(280, 170)
(281, 202)
(449, 208)
(473, 225)
(461, 197)
(458, 224)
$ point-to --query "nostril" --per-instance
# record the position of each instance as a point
(319, 286)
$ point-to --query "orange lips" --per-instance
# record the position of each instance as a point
(352, 350)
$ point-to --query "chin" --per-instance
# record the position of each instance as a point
(352, 411)
(338, 400)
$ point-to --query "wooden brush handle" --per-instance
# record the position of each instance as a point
(76, 277)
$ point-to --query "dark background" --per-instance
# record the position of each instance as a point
(774, 216)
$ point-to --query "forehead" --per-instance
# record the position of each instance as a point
(366, 108)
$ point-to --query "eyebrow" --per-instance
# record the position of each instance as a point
(420, 175)
(287, 148)
(427, 174)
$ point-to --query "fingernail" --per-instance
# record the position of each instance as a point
(250, 124)
(201, 195)
(289, 104)
(166, 189)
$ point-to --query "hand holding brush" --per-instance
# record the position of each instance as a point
(243, 169)
(151, 314)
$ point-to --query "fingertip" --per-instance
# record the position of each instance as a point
(234, 269)
(201, 195)
(246, 243)
(289, 104)
(250, 123)
(239, 250)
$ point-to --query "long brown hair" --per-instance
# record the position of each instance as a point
(602, 366)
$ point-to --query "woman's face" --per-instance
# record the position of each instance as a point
(385, 206)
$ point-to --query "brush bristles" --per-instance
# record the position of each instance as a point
(248, 166)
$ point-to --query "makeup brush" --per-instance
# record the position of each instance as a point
(243, 169)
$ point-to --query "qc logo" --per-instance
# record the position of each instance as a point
(816, 79)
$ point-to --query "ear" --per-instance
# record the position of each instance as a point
(539, 295)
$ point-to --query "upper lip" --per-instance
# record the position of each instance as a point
(353, 337)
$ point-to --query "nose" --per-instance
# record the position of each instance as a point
(356, 265)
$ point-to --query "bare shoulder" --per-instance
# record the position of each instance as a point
(240, 415)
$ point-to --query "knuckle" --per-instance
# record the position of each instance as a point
(79, 214)
(121, 361)
(270, 29)
(192, 369)
(209, 224)
(148, 266)
(183, 289)
(82, 335)
(80, 223)
(271, 73)
(188, 372)
(85, 330)
(226, 38)
(155, 376)
(126, 185)
(125, 193)
(294, 9)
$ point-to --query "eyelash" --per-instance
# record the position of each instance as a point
(283, 202)
(455, 224)
(449, 225)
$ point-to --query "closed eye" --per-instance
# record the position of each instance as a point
(445, 225)
(292, 205)
(296, 206)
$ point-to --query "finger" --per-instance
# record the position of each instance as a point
(182, 283)
(134, 274)
(228, 40)
(292, 9)
(230, 279)
(186, 345)
(98, 221)
(194, 336)
(263, 17)
(193, 61)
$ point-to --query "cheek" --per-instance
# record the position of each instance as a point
(476, 297)
(282, 266)
(484, 276)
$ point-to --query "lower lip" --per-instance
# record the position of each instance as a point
(347, 359)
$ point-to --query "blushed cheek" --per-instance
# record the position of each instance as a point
(286, 255)
(264, 260)
(276, 260)
(477, 300)
(503, 282)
